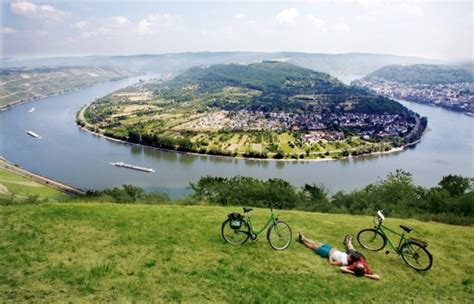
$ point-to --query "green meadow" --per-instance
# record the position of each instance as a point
(102, 252)
(11, 183)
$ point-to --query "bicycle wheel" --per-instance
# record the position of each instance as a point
(279, 235)
(235, 236)
(416, 256)
(371, 239)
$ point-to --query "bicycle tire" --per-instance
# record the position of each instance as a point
(416, 256)
(235, 236)
(279, 235)
(371, 239)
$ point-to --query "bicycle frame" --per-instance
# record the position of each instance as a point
(381, 228)
(271, 219)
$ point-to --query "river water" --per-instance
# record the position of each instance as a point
(67, 154)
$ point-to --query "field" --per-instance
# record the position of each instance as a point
(11, 183)
(100, 252)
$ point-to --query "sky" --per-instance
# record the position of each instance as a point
(422, 28)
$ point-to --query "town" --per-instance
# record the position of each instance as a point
(328, 126)
(456, 96)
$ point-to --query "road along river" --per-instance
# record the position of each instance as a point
(68, 154)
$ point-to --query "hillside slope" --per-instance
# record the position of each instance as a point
(422, 74)
(21, 84)
(123, 253)
(279, 86)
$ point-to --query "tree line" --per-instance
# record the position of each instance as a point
(451, 201)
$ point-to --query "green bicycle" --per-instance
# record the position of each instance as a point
(413, 252)
(237, 229)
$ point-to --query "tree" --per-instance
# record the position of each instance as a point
(135, 193)
(456, 185)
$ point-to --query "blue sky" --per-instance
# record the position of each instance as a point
(432, 29)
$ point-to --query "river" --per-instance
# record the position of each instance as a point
(67, 154)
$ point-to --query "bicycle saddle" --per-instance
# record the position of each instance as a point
(246, 209)
(406, 228)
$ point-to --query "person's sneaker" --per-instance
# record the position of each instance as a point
(347, 239)
(300, 237)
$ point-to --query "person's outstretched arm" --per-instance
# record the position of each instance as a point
(373, 276)
(370, 276)
(344, 269)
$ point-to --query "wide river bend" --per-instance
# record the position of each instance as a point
(67, 154)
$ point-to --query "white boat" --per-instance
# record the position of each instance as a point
(128, 166)
(31, 110)
(33, 134)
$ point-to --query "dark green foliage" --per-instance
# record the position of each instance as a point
(248, 191)
(131, 194)
(397, 195)
(456, 185)
(278, 83)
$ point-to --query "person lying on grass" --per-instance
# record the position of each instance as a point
(350, 261)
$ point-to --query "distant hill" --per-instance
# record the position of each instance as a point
(423, 74)
(281, 86)
(21, 84)
(350, 63)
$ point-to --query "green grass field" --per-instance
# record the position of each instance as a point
(22, 186)
(78, 252)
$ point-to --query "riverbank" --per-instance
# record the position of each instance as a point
(80, 118)
(11, 167)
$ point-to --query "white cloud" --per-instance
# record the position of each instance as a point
(154, 22)
(412, 9)
(8, 30)
(287, 16)
(342, 27)
(144, 26)
(121, 20)
(239, 16)
(317, 23)
(88, 35)
(80, 25)
(44, 12)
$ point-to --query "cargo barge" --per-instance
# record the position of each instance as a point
(128, 166)
(33, 134)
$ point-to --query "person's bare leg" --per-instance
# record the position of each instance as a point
(348, 242)
(310, 243)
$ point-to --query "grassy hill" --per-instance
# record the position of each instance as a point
(124, 253)
(422, 74)
(11, 183)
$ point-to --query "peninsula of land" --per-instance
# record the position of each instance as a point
(263, 110)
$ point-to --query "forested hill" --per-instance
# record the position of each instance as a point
(422, 74)
(275, 86)
(267, 76)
